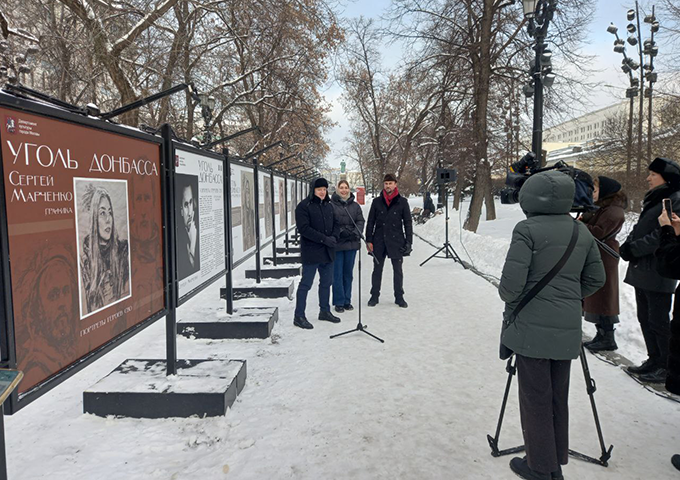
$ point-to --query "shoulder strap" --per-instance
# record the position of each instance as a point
(549, 276)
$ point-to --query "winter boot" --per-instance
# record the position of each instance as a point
(339, 308)
(607, 342)
(598, 336)
(373, 301)
(302, 323)
(657, 376)
(647, 366)
(401, 302)
(521, 468)
(328, 316)
(348, 307)
(675, 460)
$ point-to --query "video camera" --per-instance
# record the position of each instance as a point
(525, 167)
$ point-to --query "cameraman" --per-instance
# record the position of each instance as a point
(653, 293)
(546, 335)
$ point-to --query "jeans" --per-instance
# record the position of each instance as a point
(376, 278)
(653, 312)
(343, 271)
(544, 411)
(325, 282)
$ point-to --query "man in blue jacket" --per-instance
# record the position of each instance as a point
(315, 223)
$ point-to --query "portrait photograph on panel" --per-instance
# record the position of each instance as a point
(282, 205)
(267, 207)
(187, 225)
(247, 210)
(102, 232)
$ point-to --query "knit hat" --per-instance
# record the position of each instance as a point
(668, 169)
(608, 186)
(389, 178)
(320, 182)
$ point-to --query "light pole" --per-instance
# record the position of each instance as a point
(207, 106)
(539, 13)
(440, 131)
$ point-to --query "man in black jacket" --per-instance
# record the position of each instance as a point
(315, 223)
(389, 233)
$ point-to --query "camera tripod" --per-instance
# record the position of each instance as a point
(590, 388)
(360, 327)
(448, 250)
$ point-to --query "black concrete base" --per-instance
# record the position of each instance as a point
(275, 272)
(290, 250)
(265, 291)
(283, 260)
(246, 322)
(139, 388)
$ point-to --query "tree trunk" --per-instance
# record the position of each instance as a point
(481, 64)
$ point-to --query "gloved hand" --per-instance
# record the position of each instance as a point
(406, 250)
(345, 234)
(625, 253)
(330, 242)
(354, 237)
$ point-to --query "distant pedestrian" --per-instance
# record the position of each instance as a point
(389, 233)
(350, 223)
(602, 307)
(546, 334)
(315, 223)
(653, 293)
(428, 205)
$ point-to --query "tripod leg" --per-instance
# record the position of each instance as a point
(345, 333)
(591, 388)
(493, 441)
(433, 255)
(370, 334)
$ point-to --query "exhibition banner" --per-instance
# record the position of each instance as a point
(84, 219)
(199, 218)
(292, 201)
(279, 192)
(265, 194)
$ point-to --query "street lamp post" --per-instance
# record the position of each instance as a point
(539, 13)
(207, 106)
(440, 131)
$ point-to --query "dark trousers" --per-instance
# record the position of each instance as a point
(653, 312)
(343, 274)
(376, 279)
(544, 411)
(325, 281)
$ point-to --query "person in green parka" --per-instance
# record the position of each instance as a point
(546, 334)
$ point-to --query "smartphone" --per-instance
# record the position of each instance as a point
(668, 206)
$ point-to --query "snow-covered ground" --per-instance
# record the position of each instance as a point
(418, 406)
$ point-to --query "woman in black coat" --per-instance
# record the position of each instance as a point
(349, 221)
(653, 293)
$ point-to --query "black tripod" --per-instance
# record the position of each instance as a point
(590, 388)
(360, 327)
(449, 252)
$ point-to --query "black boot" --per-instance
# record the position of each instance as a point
(657, 376)
(302, 323)
(373, 301)
(521, 468)
(339, 308)
(605, 344)
(647, 366)
(328, 316)
(675, 460)
(401, 302)
(348, 307)
(596, 338)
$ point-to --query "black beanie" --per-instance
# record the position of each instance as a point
(320, 182)
(608, 186)
(668, 169)
(389, 178)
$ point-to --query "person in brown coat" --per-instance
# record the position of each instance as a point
(602, 308)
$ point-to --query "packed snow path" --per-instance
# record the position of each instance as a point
(418, 406)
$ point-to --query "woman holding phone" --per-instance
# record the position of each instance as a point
(653, 293)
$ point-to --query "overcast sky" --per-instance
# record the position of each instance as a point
(600, 45)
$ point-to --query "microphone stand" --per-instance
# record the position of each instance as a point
(360, 327)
